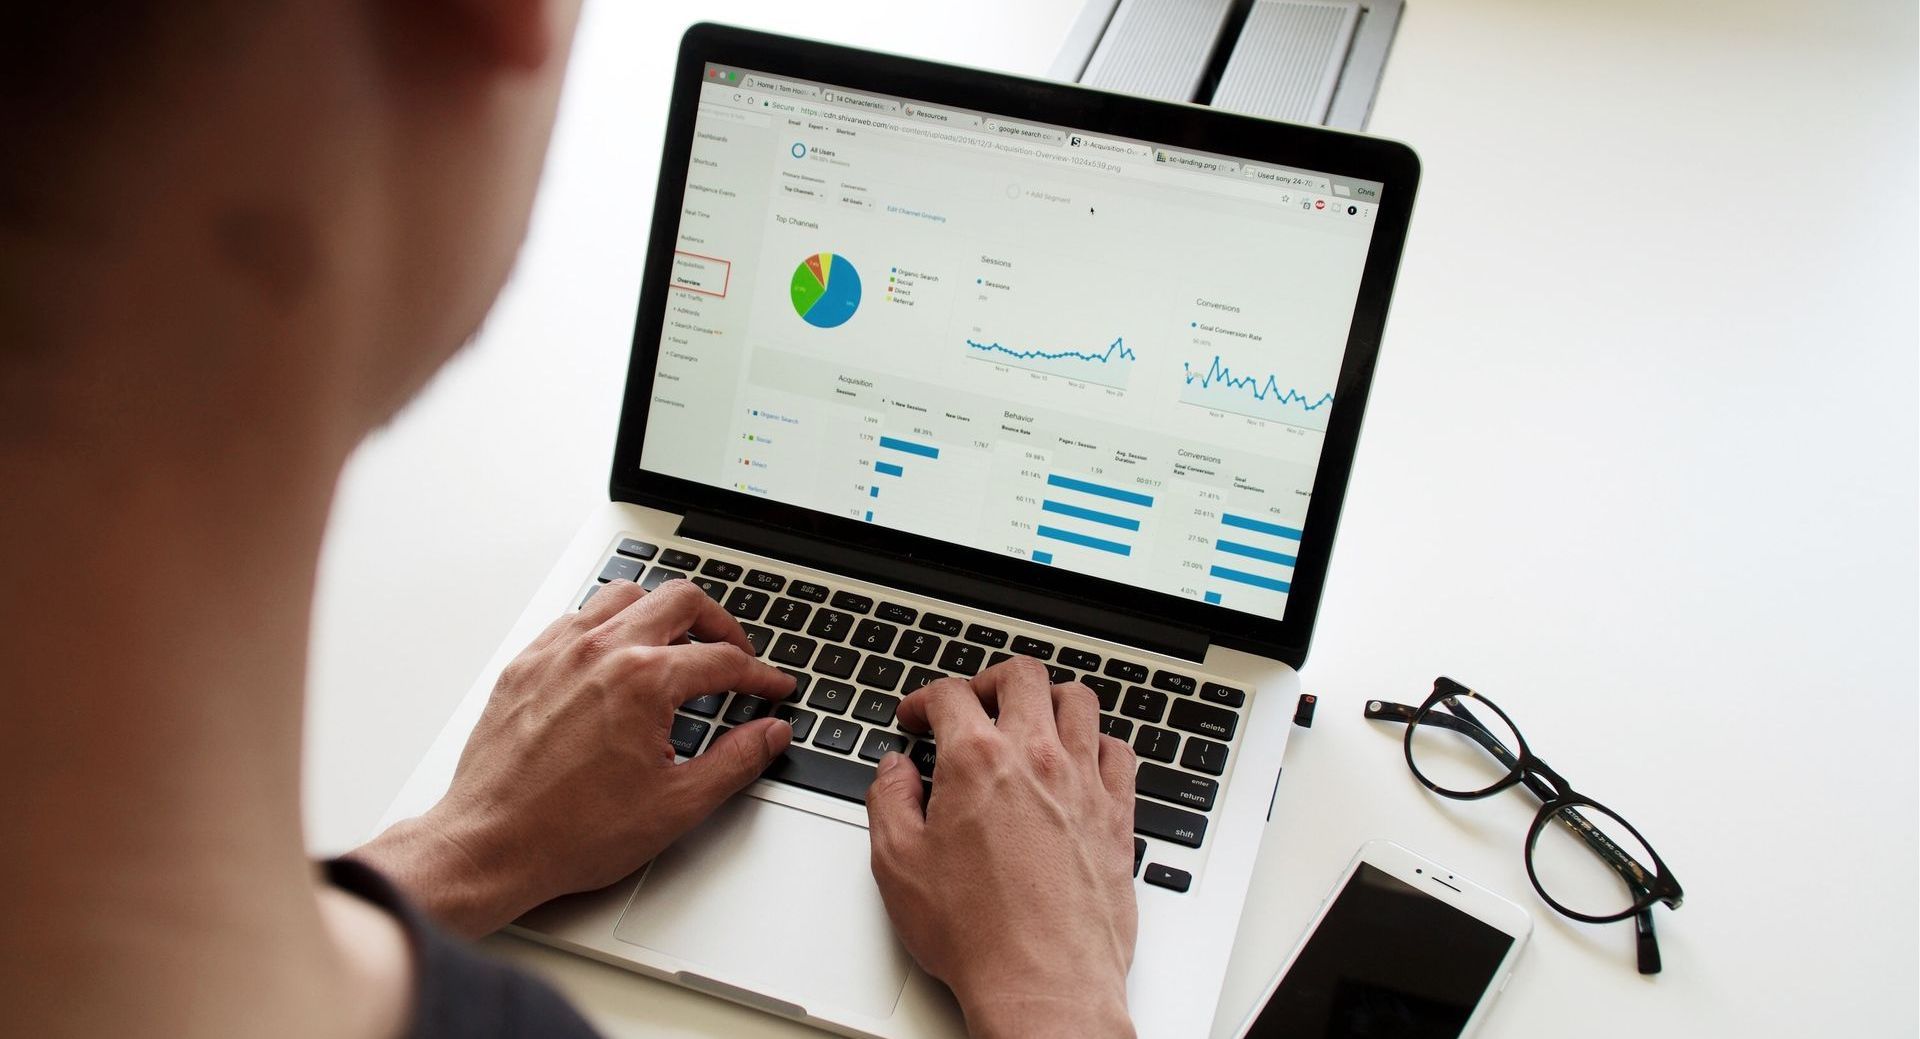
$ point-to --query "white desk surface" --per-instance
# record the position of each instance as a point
(1640, 463)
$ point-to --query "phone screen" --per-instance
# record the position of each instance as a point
(1387, 960)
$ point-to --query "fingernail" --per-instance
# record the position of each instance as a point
(779, 735)
(891, 760)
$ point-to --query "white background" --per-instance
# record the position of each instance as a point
(1640, 463)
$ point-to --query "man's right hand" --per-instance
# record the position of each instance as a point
(1014, 884)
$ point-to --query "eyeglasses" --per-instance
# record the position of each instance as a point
(1585, 861)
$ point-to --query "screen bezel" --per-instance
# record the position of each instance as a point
(1430, 878)
(1174, 125)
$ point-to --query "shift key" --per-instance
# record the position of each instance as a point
(1168, 824)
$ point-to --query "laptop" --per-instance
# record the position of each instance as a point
(933, 367)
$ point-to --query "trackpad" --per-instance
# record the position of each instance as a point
(770, 894)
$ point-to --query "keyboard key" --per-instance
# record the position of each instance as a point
(940, 625)
(880, 673)
(800, 682)
(1080, 659)
(808, 590)
(1173, 683)
(1126, 670)
(852, 602)
(705, 706)
(660, 575)
(747, 604)
(1181, 788)
(986, 636)
(679, 560)
(636, 549)
(1203, 718)
(1204, 756)
(874, 637)
(584, 599)
(896, 613)
(716, 590)
(746, 708)
(879, 743)
(835, 660)
(1168, 823)
(837, 736)
(1060, 675)
(875, 708)
(831, 625)
(722, 569)
(824, 773)
(788, 613)
(1168, 877)
(619, 569)
(802, 721)
(1106, 688)
(1224, 695)
(921, 676)
(794, 650)
(923, 755)
(1139, 852)
(918, 646)
(757, 638)
(962, 658)
(1026, 647)
(1118, 728)
(832, 697)
(1142, 703)
(1156, 743)
(686, 735)
(764, 581)
(998, 657)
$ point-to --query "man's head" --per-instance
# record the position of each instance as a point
(344, 181)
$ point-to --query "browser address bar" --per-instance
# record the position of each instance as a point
(980, 142)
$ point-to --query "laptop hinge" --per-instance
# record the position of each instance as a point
(916, 576)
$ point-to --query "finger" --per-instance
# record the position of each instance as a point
(1023, 694)
(696, 669)
(1076, 714)
(671, 611)
(735, 760)
(945, 708)
(612, 597)
(1116, 769)
(896, 811)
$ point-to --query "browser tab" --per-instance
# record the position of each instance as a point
(871, 104)
(1200, 163)
(1287, 178)
(1025, 131)
(943, 116)
(1108, 146)
(1369, 192)
(781, 86)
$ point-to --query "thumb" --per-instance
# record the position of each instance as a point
(895, 818)
(735, 760)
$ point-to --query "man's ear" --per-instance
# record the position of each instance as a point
(517, 33)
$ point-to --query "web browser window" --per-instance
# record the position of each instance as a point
(1092, 353)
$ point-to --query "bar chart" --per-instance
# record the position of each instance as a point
(1253, 553)
(1091, 515)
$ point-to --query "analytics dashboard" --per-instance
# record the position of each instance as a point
(1087, 352)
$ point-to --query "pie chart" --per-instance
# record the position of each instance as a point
(826, 290)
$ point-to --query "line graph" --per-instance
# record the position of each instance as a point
(1255, 396)
(1109, 367)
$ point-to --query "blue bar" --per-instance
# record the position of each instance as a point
(1099, 490)
(1238, 549)
(1255, 580)
(1077, 512)
(887, 469)
(1244, 523)
(1084, 541)
(1213, 598)
(869, 516)
(874, 491)
(923, 450)
(1042, 557)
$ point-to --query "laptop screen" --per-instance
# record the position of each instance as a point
(1089, 352)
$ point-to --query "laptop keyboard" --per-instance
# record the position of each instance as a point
(853, 657)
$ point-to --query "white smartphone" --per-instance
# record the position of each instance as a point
(1403, 948)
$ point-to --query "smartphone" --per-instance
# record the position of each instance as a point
(1403, 948)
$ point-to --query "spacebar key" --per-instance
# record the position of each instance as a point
(1168, 824)
(825, 773)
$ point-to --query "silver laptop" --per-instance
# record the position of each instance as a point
(933, 367)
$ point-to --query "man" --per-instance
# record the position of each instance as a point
(238, 235)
